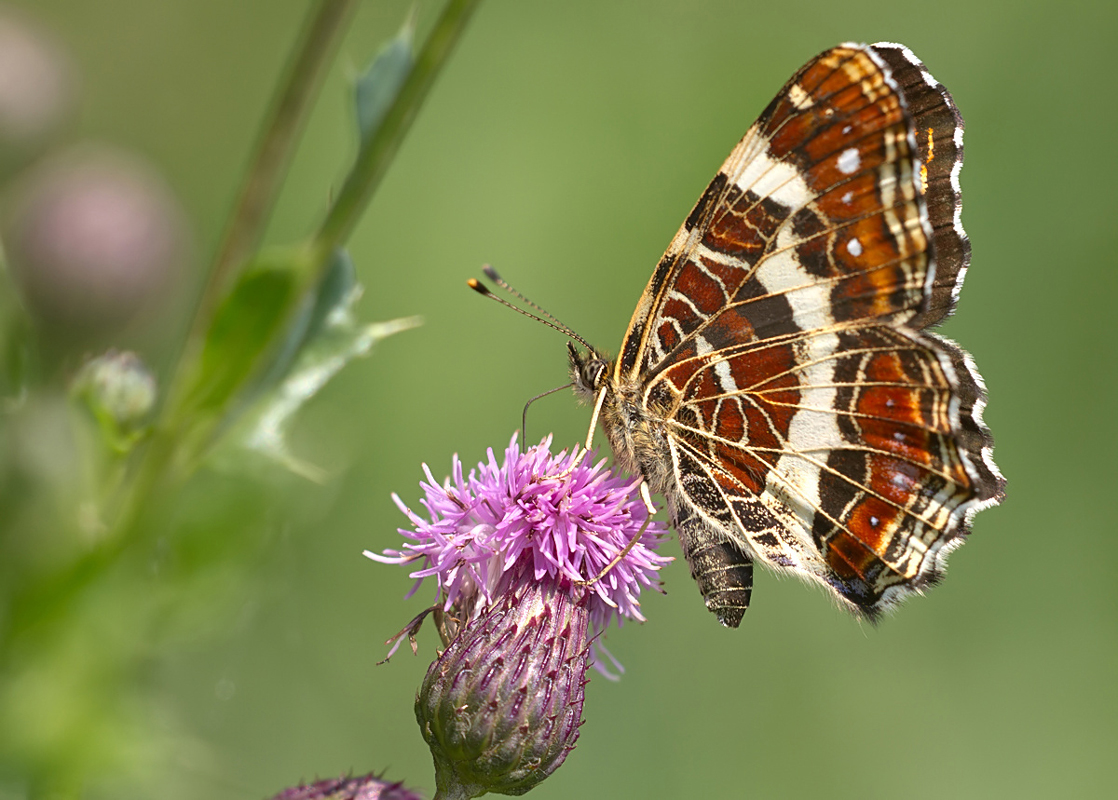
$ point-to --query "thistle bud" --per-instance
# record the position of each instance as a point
(365, 787)
(501, 708)
(118, 388)
(94, 239)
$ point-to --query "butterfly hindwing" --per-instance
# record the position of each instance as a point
(789, 403)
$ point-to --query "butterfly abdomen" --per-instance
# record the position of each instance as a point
(722, 570)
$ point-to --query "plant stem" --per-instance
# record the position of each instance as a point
(377, 153)
(291, 106)
(312, 56)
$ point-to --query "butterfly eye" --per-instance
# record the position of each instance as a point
(594, 373)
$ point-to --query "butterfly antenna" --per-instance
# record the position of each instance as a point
(550, 320)
(497, 279)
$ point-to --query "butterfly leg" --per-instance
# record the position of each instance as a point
(722, 570)
(590, 440)
(632, 542)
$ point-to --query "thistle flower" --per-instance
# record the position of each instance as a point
(515, 549)
(38, 91)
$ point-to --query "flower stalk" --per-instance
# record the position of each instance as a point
(167, 456)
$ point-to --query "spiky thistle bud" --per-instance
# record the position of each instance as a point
(364, 787)
(118, 386)
(501, 708)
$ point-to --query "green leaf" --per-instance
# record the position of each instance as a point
(260, 333)
(379, 84)
(336, 340)
(246, 329)
(337, 282)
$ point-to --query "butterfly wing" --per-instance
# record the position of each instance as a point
(810, 421)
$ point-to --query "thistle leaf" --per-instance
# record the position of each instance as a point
(245, 331)
(376, 88)
(333, 338)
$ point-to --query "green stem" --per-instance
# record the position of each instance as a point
(377, 153)
(322, 32)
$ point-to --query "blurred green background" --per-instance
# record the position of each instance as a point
(564, 145)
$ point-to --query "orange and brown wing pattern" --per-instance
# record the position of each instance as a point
(808, 419)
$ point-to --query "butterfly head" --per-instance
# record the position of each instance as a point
(589, 371)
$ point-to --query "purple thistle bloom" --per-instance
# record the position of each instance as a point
(530, 517)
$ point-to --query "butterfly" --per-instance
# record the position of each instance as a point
(778, 382)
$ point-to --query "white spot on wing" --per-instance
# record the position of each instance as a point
(849, 161)
(721, 368)
(854, 247)
(800, 99)
(725, 376)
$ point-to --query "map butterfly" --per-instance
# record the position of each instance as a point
(778, 383)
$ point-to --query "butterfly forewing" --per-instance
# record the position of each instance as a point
(775, 382)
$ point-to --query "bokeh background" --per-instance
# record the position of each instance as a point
(564, 144)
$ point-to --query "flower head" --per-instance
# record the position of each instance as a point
(532, 556)
(534, 515)
(95, 240)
